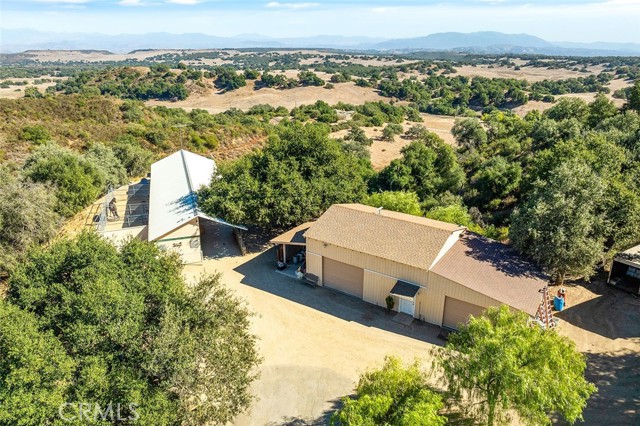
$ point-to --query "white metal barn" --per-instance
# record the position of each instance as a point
(170, 215)
(174, 216)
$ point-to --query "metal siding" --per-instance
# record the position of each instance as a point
(429, 300)
(432, 301)
(120, 236)
(343, 277)
(372, 263)
(377, 288)
(314, 265)
(189, 229)
(180, 239)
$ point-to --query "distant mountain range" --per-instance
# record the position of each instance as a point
(19, 40)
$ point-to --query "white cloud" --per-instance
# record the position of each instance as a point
(131, 3)
(279, 5)
(187, 2)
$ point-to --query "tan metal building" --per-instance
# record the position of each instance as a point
(435, 271)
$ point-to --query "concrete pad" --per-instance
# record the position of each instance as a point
(403, 319)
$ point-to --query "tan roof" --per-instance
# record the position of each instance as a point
(493, 269)
(402, 238)
(293, 236)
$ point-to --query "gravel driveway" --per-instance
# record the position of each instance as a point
(315, 342)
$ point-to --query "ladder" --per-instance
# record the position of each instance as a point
(544, 316)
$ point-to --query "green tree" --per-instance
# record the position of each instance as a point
(33, 92)
(251, 74)
(35, 134)
(395, 396)
(135, 159)
(634, 97)
(428, 167)
(104, 159)
(417, 131)
(498, 362)
(228, 79)
(469, 133)
(496, 179)
(397, 201)
(454, 213)
(297, 175)
(27, 217)
(390, 131)
(600, 109)
(78, 181)
(559, 225)
(309, 78)
(137, 333)
(567, 108)
(357, 135)
(35, 371)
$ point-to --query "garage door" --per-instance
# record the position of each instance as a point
(341, 276)
(457, 312)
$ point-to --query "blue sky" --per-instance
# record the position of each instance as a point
(561, 20)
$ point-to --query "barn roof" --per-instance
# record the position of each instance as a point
(493, 269)
(400, 237)
(172, 198)
(630, 256)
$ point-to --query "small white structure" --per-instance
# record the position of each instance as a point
(174, 216)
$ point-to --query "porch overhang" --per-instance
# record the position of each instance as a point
(405, 290)
(293, 237)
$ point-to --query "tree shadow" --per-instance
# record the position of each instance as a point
(617, 401)
(500, 256)
(322, 420)
(612, 314)
(331, 302)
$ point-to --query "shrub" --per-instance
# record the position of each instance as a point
(78, 181)
(35, 134)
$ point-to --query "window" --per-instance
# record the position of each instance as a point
(633, 272)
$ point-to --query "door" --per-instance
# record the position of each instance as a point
(457, 312)
(407, 306)
(343, 277)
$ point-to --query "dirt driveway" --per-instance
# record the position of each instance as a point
(605, 324)
(316, 342)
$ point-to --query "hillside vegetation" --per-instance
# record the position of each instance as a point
(493, 182)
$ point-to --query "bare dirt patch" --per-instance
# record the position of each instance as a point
(605, 325)
(383, 152)
(530, 74)
(315, 342)
(15, 92)
(246, 97)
